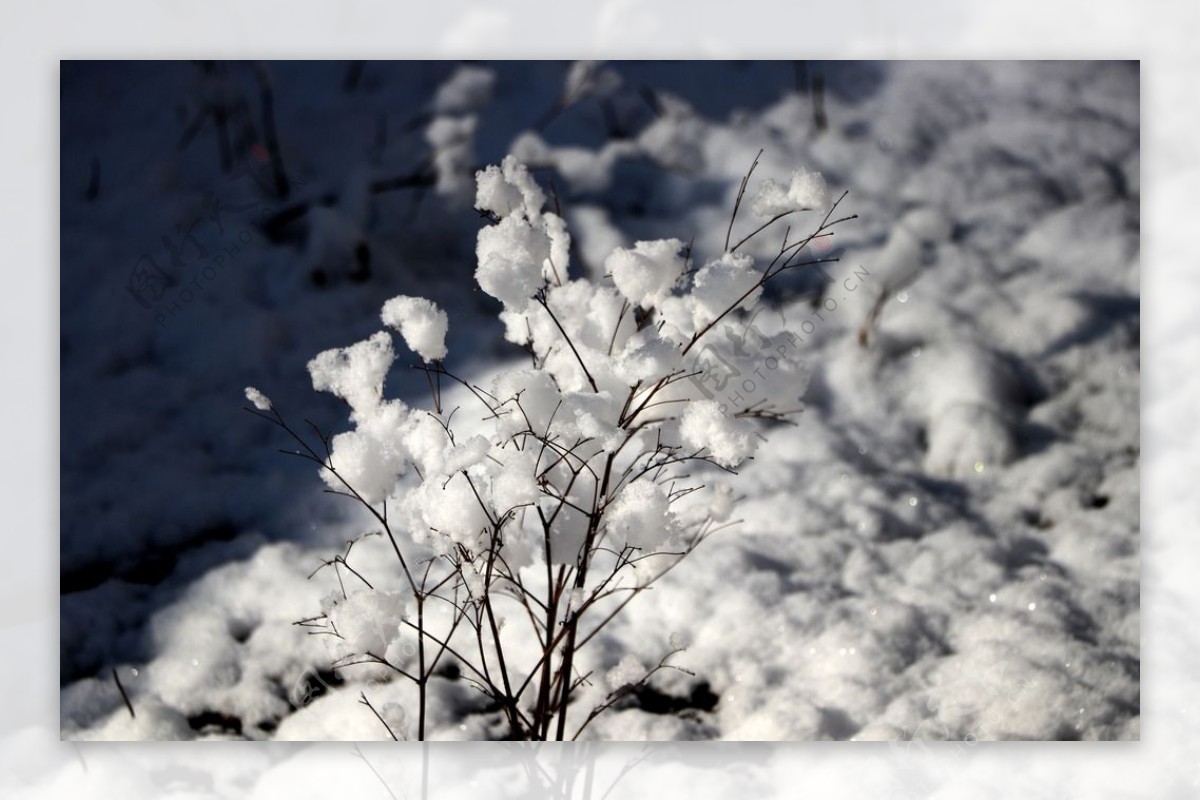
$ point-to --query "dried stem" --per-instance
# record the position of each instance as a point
(475, 575)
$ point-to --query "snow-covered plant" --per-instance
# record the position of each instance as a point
(526, 520)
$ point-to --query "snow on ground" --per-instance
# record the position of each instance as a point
(944, 546)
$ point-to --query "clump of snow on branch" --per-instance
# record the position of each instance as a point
(646, 273)
(355, 374)
(527, 246)
(422, 324)
(366, 622)
(730, 281)
(641, 516)
(260, 401)
(730, 440)
(807, 190)
(629, 670)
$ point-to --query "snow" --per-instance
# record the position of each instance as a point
(589, 78)
(365, 622)
(629, 671)
(807, 191)
(972, 402)
(721, 284)
(705, 427)
(526, 247)
(445, 511)
(943, 545)
(364, 462)
(452, 140)
(515, 485)
(468, 89)
(676, 138)
(647, 272)
(641, 516)
(397, 720)
(372, 456)
(508, 189)
(422, 324)
(646, 354)
(355, 373)
(511, 254)
(530, 398)
(260, 401)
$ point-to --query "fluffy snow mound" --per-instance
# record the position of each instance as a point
(422, 324)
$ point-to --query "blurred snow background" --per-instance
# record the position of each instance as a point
(946, 546)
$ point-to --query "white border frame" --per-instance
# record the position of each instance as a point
(35, 35)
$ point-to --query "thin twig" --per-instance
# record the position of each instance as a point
(124, 695)
(737, 204)
(540, 298)
(362, 699)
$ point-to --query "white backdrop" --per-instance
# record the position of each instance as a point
(34, 36)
